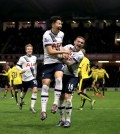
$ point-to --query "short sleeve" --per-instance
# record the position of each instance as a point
(47, 39)
(78, 57)
(20, 62)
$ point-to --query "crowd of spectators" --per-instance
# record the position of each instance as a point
(98, 40)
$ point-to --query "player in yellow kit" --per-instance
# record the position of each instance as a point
(17, 81)
(100, 78)
(94, 77)
(83, 71)
(8, 73)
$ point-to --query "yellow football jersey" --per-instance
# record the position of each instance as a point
(9, 74)
(101, 73)
(84, 68)
(94, 73)
(17, 78)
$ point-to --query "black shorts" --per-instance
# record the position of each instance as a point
(19, 86)
(84, 83)
(100, 82)
(50, 69)
(29, 84)
(69, 84)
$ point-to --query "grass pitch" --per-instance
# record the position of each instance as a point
(103, 119)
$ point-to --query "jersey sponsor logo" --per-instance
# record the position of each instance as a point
(29, 64)
(46, 40)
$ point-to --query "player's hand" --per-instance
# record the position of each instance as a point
(0, 73)
(23, 71)
(65, 56)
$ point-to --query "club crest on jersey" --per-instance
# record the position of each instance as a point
(30, 64)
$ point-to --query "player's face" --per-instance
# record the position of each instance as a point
(79, 43)
(57, 25)
(29, 50)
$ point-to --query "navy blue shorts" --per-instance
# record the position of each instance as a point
(50, 69)
(69, 84)
(29, 84)
(100, 82)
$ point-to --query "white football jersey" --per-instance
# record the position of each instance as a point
(75, 55)
(50, 38)
(28, 63)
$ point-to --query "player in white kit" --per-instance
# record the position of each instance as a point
(27, 63)
(53, 67)
(70, 80)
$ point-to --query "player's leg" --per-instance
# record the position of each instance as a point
(83, 86)
(61, 105)
(82, 101)
(98, 85)
(16, 96)
(61, 108)
(94, 89)
(68, 108)
(47, 75)
(80, 88)
(11, 89)
(15, 87)
(58, 86)
(44, 97)
(34, 95)
(70, 87)
(5, 91)
(57, 91)
(23, 93)
(103, 89)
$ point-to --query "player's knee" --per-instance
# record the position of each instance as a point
(58, 84)
(35, 90)
(69, 102)
(45, 88)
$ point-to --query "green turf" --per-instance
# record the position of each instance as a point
(103, 119)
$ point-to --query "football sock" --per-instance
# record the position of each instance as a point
(33, 99)
(103, 90)
(61, 108)
(57, 91)
(11, 93)
(16, 96)
(82, 102)
(44, 97)
(85, 96)
(68, 109)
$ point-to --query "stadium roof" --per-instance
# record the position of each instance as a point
(42, 9)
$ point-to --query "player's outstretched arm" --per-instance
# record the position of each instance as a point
(54, 52)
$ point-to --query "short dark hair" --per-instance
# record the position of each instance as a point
(80, 37)
(53, 19)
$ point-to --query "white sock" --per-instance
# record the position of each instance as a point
(21, 97)
(44, 97)
(68, 109)
(58, 90)
(61, 108)
(33, 99)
